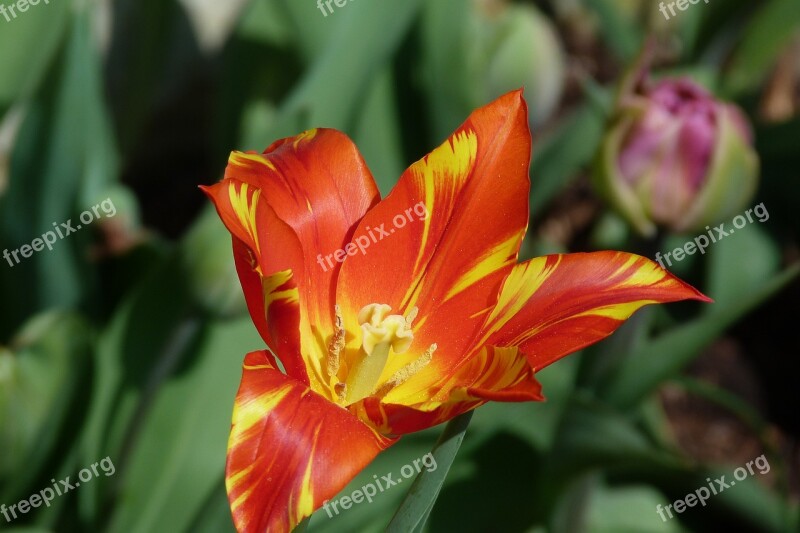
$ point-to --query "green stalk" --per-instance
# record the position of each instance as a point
(418, 503)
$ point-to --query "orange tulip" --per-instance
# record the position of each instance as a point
(433, 318)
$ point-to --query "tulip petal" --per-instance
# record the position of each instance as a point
(472, 192)
(267, 279)
(493, 374)
(290, 449)
(292, 205)
(555, 305)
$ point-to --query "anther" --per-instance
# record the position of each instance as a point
(403, 375)
(337, 343)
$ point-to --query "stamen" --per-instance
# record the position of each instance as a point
(380, 334)
(337, 343)
(341, 391)
(412, 315)
(402, 375)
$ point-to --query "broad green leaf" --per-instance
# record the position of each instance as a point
(629, 509)
(215, 514)
(491, 487)
(29, 41)
(592, 436)
(42, 373)
(749, 499)
(762, 260)
(178, 457)
(268, 22)
(310, 28)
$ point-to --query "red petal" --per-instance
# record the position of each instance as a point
(318, 183)
(289, 450)
(267, 278)
(555, 305)
(289, 206)
(450, 265)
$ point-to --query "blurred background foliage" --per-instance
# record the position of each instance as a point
(126, 339)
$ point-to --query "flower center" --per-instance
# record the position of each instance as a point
(381, 332)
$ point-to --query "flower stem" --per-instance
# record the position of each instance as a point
(418, 503)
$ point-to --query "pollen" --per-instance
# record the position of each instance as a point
(405, 373)
(337, 344)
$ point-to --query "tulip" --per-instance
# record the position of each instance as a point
(432, 319)
(676, 157)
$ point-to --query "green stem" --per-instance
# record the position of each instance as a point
(418, 503)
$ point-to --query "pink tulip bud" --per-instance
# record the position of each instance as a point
(677, 157)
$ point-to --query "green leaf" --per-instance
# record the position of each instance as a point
(41, 379)
(560, 155)
(444, 34)
(141, 346)
(749, 499)
(763, 258)
(267, 22)
(63, 160)
(178, 458)
(621, 33)
(339, 80)
(627, 509)
(29, 42)
(593, 435)
(665, 356)
(377, 133)
(768, 32)
(419, 502)
(310, 29)
(215, 514)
